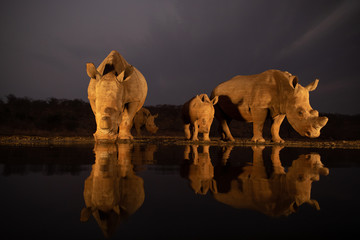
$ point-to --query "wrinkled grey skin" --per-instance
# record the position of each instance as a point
(251, 97)
(116, 92)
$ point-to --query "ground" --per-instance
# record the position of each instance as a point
(175, 140)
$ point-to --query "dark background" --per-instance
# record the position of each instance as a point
(183, 48)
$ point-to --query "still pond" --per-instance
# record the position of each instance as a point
(142, 191)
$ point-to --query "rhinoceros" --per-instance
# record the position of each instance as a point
(116, 91)
(198, 115)
(251, 97)
(144, 118)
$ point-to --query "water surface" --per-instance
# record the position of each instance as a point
(169, 191)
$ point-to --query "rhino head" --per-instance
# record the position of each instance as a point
(203, 107)
(301, 116)
(108, 104)
(150, 124)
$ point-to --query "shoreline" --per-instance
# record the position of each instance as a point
(171, 140)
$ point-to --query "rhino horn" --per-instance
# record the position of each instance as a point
(322, 121)
(312, 86)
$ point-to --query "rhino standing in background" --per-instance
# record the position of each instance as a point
(250, 98)
(198, 115)
(116, 91)
(144, 117)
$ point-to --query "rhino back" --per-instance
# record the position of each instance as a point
(249, 91)
(135, 89)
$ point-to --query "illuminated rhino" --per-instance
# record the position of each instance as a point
(198, 115)
(144, 118)
(251, 97)
(116, 91)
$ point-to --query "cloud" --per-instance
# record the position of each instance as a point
(321, 28)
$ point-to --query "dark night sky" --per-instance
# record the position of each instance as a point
(182, 48)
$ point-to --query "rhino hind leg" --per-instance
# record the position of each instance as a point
(275, 128)
(226, 134)
(195, 131)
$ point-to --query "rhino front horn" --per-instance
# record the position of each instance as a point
(322, 121)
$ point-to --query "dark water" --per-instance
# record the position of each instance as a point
(177, 192)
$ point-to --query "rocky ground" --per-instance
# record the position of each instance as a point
(174, 140)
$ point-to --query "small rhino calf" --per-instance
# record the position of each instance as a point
(144, 118)
(198, 115)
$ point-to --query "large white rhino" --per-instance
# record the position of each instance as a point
(251, 97)
(116, 91)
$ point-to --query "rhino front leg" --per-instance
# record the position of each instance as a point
(259, 117)
(206, 136)
(138, 129)
(127, 119)
(187, 131)
(275, 128)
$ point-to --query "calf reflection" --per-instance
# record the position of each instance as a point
(200, 171)
(112, 192)
(278, 193)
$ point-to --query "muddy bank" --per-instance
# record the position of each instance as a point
(49, 141)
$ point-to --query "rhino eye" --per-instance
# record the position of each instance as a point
(301, 112)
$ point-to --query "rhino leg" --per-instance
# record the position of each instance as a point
(223, 126)
(187, 131)
(259, 117)
(225, 131)
(206, 136)
(275, 128)
(138, 129)
(127, 119)
(195, 131)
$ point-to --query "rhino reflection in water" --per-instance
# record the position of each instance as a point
(200, 171)
(281, 193)
(112, 192)
(116, 92)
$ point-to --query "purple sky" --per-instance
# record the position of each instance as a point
(183, 48)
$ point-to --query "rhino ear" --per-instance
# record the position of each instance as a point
(92, 72)
(120, 77)
(128, 72)
(293, 81)
(215, 100)
(312, 86)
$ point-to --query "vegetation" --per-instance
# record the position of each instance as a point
(61, 117)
